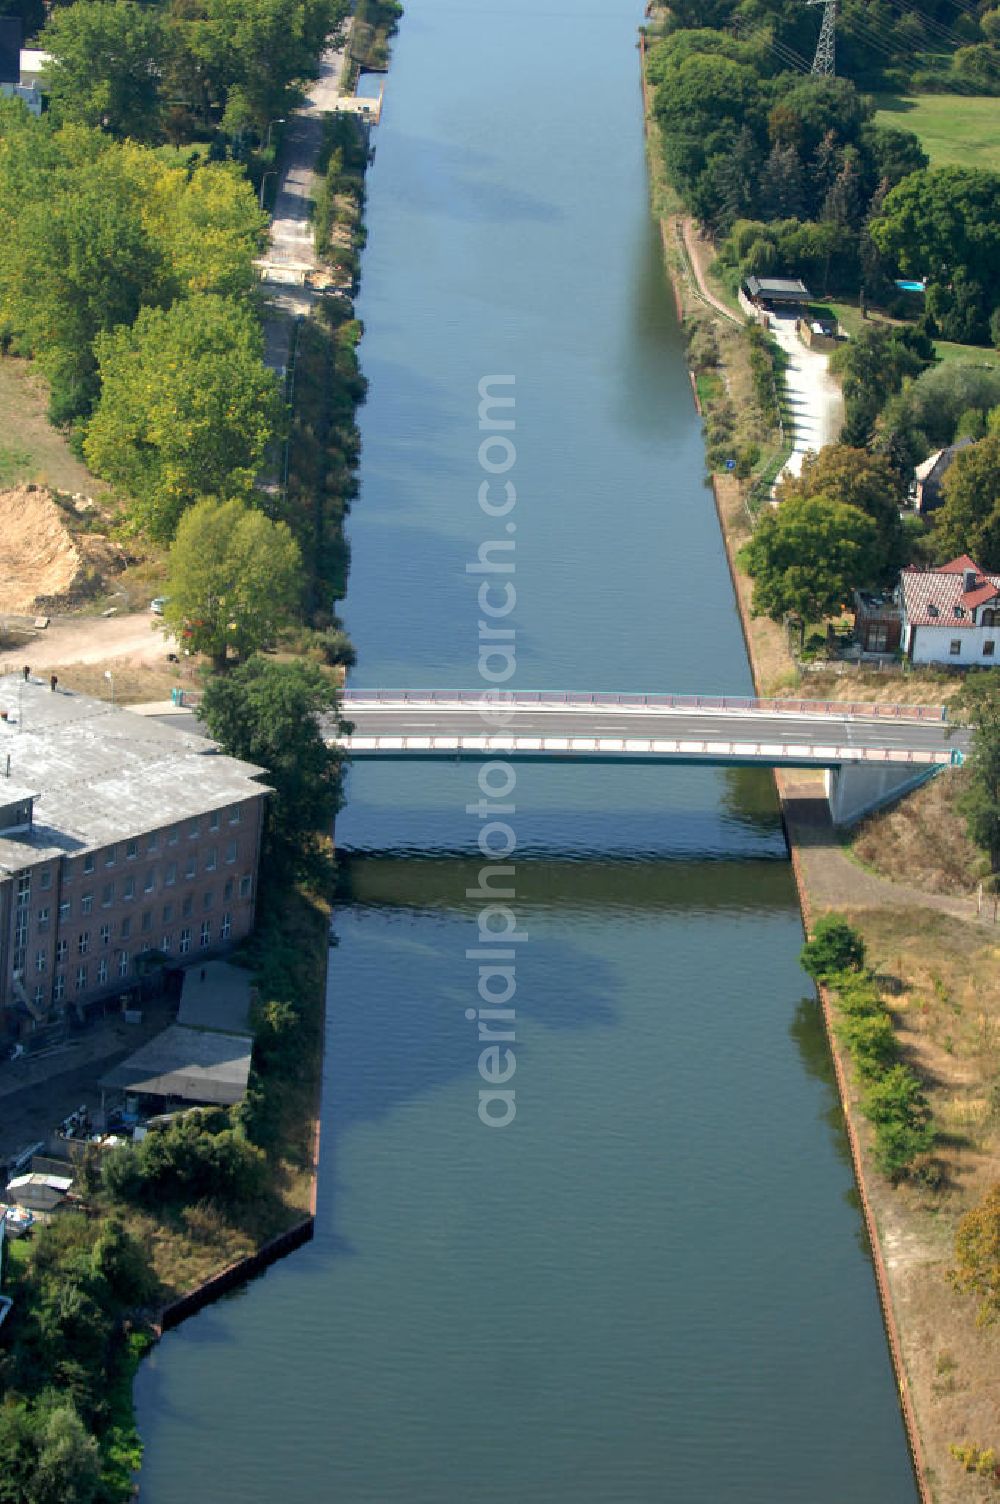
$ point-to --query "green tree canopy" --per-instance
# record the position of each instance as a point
(273, 714)
(234, 579)
(858, 479)
(943, 223)
(187, 408)
(106, 57)
(832, 947)
(808, 555)
(927, 413)
(969, 521)
(872, 367)
(978, 705)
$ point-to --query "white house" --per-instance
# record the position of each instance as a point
(951, 615)
(29, 88)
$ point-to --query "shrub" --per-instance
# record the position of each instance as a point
(834, 947)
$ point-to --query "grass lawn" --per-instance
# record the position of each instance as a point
(30, 448)
(849, 316)
(955, 129)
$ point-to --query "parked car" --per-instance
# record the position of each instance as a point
(157, 606)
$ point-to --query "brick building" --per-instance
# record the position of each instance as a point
(121, 839)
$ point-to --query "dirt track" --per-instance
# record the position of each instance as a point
(133, 639)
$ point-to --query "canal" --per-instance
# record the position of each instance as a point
(652, 1285)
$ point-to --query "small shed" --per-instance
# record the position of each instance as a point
(38, 1192)
(929, 476)
(777, 292)
(204, 1066)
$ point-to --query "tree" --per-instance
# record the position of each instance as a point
(782, 184)
(187, 408)
(833, 947)
(77, 261)
(927, 413)
(978, 705)
(969, 521)
(872, 367)
(896, 1106)
(977, 1255)
(234, 579)
(857, 479)
(274, 714)
(106, 57)
(943, 223)
(808, 555)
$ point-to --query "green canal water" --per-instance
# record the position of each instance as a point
(652, 1285)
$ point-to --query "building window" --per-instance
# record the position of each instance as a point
(228, 889)
(43, 919)
(59, 988)
(81, 978)
(234, 816)
(191, 867)
(231, 852)
(989, 617)
(39, 996)
(87, 903)
(105, 934)
(102, 971)
(41, 961)
(123, 963)
(989, 648)
(171, 875)
(88, 863)
(107, 895)
(83, 943)
(62, 950)
(165, 943)
(65, 909)
(131, 850)
(213, 820)
(109, 860)
(21, 930)
(45, 879)
(246, 884)
(175, 835)
(185, 944)
(128, 888)
(147, 921)
(208, 900)
(211, 860)
(206, 932)
(187, 906)
(20, 957)
(955, 647)
(150, 883)
(194, 830)
(126, 928)
(152, 842)
(227, 927)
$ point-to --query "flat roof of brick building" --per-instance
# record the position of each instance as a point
(101, 774)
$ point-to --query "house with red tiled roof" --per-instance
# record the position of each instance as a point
(951, 614)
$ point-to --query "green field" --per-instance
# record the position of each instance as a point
(955, 129)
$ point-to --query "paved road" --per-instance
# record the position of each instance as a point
(923, 739)
(813, 397)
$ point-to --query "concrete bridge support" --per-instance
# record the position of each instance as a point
(855, 789)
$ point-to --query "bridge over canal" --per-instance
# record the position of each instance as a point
(871, 753)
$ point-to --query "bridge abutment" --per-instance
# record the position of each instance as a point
(857, 789)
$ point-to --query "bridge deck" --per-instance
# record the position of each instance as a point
(421, 724)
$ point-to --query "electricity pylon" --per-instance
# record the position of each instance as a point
(823, 62)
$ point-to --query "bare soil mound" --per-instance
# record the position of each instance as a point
(38, 557)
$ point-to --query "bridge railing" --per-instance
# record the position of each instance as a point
(527, 698)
